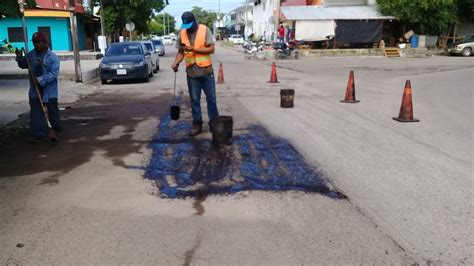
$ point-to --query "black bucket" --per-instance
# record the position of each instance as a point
(221, 128)
(174, 112)
(286, 98)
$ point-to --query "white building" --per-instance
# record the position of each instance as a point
(264, 14)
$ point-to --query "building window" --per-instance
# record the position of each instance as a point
(15, 34)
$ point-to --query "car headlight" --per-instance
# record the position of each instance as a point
(141, 63)
(102, 65)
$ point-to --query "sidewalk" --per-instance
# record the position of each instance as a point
(89, 67)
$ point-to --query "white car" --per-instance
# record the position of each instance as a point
(236, 39)
(167, 40)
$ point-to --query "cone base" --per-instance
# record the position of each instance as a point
(273, 81)
(405, 120)
(344, 101)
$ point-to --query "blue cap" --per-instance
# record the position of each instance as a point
(187, 25)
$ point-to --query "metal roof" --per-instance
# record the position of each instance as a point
(331, 12)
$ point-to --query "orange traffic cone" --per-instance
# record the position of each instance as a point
(220, 78)
(350, 92)
(273, 76)
(406, 110)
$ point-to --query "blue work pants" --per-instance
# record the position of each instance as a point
(38, 125)
(208, 85)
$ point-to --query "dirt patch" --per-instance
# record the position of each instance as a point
(83, 124)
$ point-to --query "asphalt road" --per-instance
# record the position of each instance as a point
(88, 200)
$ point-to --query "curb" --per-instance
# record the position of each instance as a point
(86, 75)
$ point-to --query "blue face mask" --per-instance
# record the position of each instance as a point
(193, 28)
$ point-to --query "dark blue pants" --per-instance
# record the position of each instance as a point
(38, 125)
(208, 85)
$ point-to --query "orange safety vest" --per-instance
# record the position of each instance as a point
(202, 60)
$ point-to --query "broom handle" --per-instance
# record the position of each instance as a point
(174, 87)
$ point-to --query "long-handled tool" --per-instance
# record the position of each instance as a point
(174, 110)
(52, 136)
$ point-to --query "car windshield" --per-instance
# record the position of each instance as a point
(148, 46)
(124, 49)
(469, 38)
(156, 42)
(167, 37)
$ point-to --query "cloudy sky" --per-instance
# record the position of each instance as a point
(177, 7)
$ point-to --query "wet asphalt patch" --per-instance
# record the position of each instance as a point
(183, 166)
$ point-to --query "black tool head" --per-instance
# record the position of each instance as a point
(174, 112)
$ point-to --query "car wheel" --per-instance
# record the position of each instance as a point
(151, 73)
(103, 81)
(297, 55)
(466, 51)
(156, 69)
(146, 79)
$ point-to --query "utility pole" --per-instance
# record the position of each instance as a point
(168, 24)
(75, 43)
(164, 25)
(102, 40)
(245, 26)
(102, 18)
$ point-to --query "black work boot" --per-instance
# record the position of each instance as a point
(197, 128)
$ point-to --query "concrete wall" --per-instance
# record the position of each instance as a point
(60, 37)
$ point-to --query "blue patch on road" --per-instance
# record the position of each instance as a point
(184, 166)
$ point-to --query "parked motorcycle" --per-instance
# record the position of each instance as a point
(284, 50)
(254, 51)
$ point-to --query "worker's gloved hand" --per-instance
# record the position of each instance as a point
(175, 67)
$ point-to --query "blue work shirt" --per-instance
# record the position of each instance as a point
(49, 78)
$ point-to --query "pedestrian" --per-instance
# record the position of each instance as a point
(195, 45)
(281, 34)
(45, 67)
(291, 37)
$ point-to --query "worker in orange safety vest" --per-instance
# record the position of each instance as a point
(195, 45)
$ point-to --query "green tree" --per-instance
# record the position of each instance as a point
(10, 8)
(424, 16)
(155, 27)
(204, 17)
(465, 10)
(118, 12)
